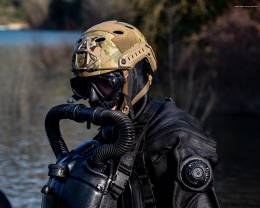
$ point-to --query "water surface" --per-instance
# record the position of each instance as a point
(30, 37)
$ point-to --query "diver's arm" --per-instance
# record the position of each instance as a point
(196, 158)
(182, 161)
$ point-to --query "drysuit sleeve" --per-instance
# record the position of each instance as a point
(182, 162)
(195, 156)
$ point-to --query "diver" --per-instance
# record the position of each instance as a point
(4, 202)
(174, 159)
(113, 66)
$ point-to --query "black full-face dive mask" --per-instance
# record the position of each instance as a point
(102, 90)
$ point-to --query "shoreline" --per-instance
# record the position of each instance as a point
(15, 26)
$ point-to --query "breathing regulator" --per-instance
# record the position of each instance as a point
(92, 175)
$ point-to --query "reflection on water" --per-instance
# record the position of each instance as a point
(24, 160)
(23, 165)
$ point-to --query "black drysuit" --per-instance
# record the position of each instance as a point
(172, 136)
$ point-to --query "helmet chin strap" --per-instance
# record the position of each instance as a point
(125, 106)
(143, 91)
(127, 103)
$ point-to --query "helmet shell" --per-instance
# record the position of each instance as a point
(110, 46)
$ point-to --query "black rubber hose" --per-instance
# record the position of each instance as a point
(52, 127)
(123, 144)
(102, 117)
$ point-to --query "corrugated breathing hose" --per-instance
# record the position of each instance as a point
(98, 116)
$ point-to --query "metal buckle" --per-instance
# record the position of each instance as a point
(56, 170)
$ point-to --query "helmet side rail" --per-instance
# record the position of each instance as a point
(98, 116)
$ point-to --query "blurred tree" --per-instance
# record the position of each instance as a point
(166, 24)
(65, 14)
(81, 14)
(213, 67)
(232, 45)
(93, 12)
(36, 11)
(4, 2)
(178, 17)
(11, 11)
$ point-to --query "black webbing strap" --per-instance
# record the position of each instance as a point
(127, 162)
(125, 166)
(147, 186)
(123, 172)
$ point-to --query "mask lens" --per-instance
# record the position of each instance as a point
(104, 86)
(80, 86)
(108, 84)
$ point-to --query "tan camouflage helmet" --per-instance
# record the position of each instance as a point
(111, 46)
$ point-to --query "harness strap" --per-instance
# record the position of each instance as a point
(147, 186)
(125, 167)
(127, 162)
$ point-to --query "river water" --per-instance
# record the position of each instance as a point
(24, 149)
(29, 37)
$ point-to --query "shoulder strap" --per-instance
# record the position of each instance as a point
(147, 186)
(140, 164)
(126, 163)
